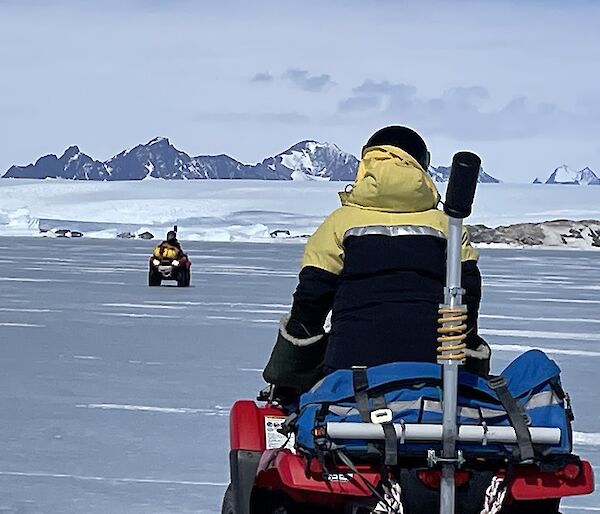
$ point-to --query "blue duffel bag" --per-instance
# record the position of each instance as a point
(528, 393)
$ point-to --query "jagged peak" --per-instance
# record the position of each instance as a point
(72, 150)
(46, 158)
(216, 156)
(302, 145)
(159, 141)
(311, 145)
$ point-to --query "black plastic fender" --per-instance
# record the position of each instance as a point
(243, 465)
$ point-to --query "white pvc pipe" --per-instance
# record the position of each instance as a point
(429, 432)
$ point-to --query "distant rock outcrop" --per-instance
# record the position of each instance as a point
(565, 175)
(442, 174)
(306, 160)
(575, 234)
(126, 235)
(61, 232)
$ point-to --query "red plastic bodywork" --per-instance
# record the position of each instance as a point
(283, 470)
(432, 478)
(529, 483)
(247, 425)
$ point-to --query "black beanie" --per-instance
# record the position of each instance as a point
(403, 138)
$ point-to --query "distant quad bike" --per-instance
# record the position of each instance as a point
(413, 437)
(169, 269)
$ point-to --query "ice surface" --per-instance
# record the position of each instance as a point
(106, 411)
(238, 210)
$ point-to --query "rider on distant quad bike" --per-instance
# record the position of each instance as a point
(170, 248)
(378, 263)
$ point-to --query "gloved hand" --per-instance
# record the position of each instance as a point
(478, 358)
(287, 398)
(296, 362)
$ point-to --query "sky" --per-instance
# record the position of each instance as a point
(515, 81)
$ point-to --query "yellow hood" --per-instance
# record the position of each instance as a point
(389, 179)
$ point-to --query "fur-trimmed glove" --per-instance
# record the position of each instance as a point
(478, 359)
(295, 362)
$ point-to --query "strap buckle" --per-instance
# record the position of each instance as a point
(569, 408)
(497, 382)
(433, 460)
(381, 416)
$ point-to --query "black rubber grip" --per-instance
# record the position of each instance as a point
(462, 184)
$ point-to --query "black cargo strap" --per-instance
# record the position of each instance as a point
(346, 460)
(519, 419)
(289, 424)
(389, 431)
(360, 382)
(563, 397)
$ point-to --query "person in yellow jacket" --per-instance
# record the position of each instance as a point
(170, 248)
(378, 264)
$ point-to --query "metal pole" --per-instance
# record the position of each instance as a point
(452, 298)
(459, 200)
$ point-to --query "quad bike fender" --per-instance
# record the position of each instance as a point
(242, 468)
(574, 479)
(247, 424)
(248, 440)
(283, 470)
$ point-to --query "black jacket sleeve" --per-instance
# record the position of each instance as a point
(313, 300)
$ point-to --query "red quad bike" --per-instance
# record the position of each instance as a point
(169, 269)
(447, 462)
(269, 477)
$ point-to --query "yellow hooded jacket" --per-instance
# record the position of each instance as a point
(383, 292)
(391, 190)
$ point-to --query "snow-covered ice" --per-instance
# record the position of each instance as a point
(106, 411)
(241, 210)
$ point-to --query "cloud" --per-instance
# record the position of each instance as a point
(374, 95)
(459, 112)
(262, 77)
(303, 80)
(385, 88)
(359, 103)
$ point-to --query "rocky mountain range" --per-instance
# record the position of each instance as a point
(306, 160)
(442, 174)
(565, 175)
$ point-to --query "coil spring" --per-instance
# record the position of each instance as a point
(452, 333)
